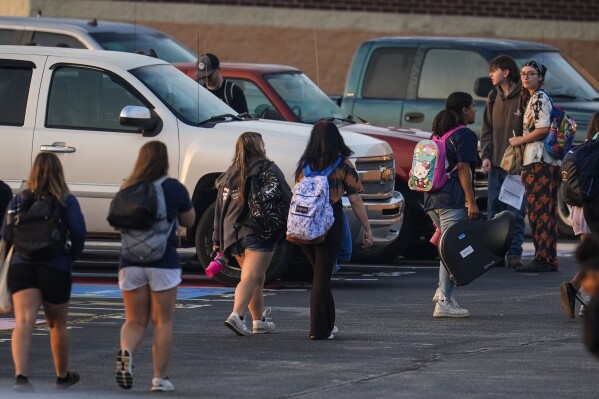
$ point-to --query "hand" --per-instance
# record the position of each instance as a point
(473, 212)
(215, 248)
(486, 165)
(516, 141)
(367, 240)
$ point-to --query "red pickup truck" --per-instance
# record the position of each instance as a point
(285, 93)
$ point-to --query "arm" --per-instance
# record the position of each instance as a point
(486, 137)
(360, 211)
(217, 218)
(75, 227)
(187, 218)
(535, 135)
(239, 100)
(465, 176)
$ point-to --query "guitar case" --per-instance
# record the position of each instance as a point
(469, 248)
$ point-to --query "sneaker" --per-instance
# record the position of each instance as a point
(263, 326)
(449, 309)
(335, 330)
(582, 310)
(567, 299)
(22, 384)
(162, 384)
(71, 379)
(514, 262)
(436, 296)
(238, 326)
(124, 369)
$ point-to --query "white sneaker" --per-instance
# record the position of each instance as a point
(582, 310)
(162, 384)
(436, 296)
(449, 309)
(238, 326)
(263, 326)
(335, 330)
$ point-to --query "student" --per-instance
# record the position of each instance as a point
(587, 255)
(45, 283)
(446, 206)
(150, 289)
(209, 76)
(579, 225)
(325, 146)
(540, 174)
(591, 208)
(235, 238)
(502, 119)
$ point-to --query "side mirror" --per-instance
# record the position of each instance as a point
(141, 117)
(483, 86)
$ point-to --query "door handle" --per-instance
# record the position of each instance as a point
(58, 147)
(414, 117)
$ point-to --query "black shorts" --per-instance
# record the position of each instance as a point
(54, 284)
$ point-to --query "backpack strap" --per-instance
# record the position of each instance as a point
(452, 131)
(307, 171)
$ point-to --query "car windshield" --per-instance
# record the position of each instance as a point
(562, 81)
(305, 99)
(185, 98)
(166, 48)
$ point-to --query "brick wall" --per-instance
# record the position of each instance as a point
(571, 10)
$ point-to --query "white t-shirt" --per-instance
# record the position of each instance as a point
(537, 115)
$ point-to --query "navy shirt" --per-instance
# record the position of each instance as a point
(177, 201)
(462, 146)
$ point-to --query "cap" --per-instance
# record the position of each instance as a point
(207, 64)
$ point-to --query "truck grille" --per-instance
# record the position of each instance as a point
(377, 175)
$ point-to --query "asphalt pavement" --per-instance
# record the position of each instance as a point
(516, 343)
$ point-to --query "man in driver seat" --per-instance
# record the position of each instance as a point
(209, 76)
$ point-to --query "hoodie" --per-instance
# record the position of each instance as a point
(502, 117)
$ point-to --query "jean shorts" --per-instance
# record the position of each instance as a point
(253, 243)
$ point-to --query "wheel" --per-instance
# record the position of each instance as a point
(231, 274)
(564, 224)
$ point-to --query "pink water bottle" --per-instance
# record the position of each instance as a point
(436, 237)
(216, 265)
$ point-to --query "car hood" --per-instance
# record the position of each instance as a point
(387, 133)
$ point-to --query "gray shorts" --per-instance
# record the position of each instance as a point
(134, 277)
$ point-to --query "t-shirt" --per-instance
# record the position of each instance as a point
(232, 95)
(461, 146)
(177, 201)
(343, 180)
(537, 115)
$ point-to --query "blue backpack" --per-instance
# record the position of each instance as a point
(560, 138)
(310, 213)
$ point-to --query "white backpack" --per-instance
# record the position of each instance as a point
(146, 246)
(310, 213)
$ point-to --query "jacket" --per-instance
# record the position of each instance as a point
(228, 228)
(502, 115)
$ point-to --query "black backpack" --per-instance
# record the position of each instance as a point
(268, 204)
(580, 173)
(134, 207)
(37, 230)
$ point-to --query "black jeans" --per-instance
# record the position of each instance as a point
(591, 215)
(322, 257)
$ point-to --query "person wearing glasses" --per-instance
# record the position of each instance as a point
(540, 174)
(209, 76)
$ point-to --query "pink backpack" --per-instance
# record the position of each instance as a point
(429, 164)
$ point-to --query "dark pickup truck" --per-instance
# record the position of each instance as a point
(404, 81)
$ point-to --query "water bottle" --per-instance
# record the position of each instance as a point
(216, 265)
(436, 237)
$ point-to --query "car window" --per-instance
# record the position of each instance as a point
(55, 40)
(166, 48)
(388, 72)
(8, 36)
(87, 99)
(14, 91)
(259, 105)
(445, 71)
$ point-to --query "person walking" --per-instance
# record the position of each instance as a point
(324, 148)
(591, 208)
(44, 282)
(234, 236)
(502, 119)
(150, 289)
(209, 76)
(540, 174)
(446, 206)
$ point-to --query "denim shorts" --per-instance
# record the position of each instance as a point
(253, 243)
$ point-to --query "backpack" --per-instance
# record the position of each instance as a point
(143, 241)
(429, 164)
(268, 204)
(580, 173)
(36, 229)
(559, 140)
(310, 213)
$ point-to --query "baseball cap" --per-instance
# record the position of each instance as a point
(207, 64)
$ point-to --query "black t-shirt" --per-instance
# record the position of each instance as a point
(232, 95)
(462, 146)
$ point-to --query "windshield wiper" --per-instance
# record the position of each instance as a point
(220, 118)
(349, 119)
(568, 96)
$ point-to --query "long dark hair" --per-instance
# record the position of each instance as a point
(593, 125)
(324, 147)
(444, 121)
(47, 177)
(451, 116)
(151, 164)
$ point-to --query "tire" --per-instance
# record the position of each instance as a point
(564, 224)
(231, 274)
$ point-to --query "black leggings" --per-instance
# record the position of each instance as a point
(322, 257)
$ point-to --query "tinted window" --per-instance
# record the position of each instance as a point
(8, 36)
(87, 99)
(14, 91)
(445, 71)
(259, 105)
(166, 48)
(55, 40)
(388, 73)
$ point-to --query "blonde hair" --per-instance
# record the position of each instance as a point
(151, 164)
(249, 146)
(47, 177)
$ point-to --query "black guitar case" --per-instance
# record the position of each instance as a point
(469, 248)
